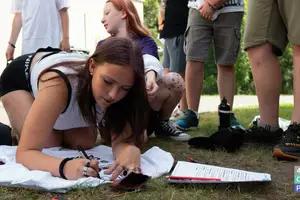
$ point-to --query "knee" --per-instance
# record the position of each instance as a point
(173, 82)
(88, 145)
(85, 144)
(260, 53)
(226, 68)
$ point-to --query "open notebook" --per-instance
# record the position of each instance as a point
(187, 172)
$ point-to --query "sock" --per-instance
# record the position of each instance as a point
(268, 127)
(180, 109)
(196, 113)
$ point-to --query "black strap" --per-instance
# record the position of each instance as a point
(62, 165)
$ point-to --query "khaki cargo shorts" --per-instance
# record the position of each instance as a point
(224, 32)
(273, 21)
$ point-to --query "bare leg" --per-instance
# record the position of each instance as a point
(166, 70)
(17, 105)
(194, 83)
(296, 59)
(267, 78)
(183, 102)
(171, 88)
(226, 82)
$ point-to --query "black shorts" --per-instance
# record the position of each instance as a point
(16, 75)
(153, 120)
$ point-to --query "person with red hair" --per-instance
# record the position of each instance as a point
(121, 19)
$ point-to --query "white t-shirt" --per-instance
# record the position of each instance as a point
(41, 23)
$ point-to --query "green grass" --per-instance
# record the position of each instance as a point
(248, 158)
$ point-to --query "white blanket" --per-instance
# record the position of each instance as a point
(155, 162)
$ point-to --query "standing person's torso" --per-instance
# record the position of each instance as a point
(176, 15)
(41, 25)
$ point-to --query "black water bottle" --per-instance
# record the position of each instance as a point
(224, 114)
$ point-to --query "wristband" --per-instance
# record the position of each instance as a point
(12, 45)
(62, 165)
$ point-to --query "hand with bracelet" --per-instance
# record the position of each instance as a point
(73, 169)
(151, 85)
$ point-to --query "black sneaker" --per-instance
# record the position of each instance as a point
(167, 130)
(258, 134)
(289, 146)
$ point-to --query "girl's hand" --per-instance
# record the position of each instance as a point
(216, 3)
(9, 53)
(206, 11)
(152, 89)
(151, 85)
(128, 160)
(65, 45)
(79, 168)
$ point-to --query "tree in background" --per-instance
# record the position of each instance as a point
(244, 78)
(151, 9)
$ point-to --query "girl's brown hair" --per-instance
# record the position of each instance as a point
(133, 108)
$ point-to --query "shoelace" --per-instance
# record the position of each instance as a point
(255, 126)
(255, 123)
(170, 129)
(292, 135)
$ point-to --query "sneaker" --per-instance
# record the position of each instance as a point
(258, 134)
(190, 121)
(167, 130)
(289, 146)
(177, 114)
(234, 122)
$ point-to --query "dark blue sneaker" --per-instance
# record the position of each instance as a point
(234, 122)
(190, 121)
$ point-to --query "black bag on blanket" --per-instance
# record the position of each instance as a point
(230, 139)
(5, 135)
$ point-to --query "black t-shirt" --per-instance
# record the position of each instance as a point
(176, 16)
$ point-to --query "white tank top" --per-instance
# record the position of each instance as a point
(71, 117)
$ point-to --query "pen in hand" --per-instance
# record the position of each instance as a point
(81, 150)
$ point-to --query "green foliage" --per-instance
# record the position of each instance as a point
(151, 9)
(286, 63)
(151, 13)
